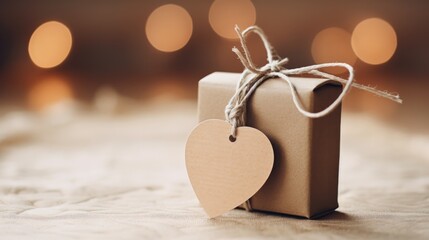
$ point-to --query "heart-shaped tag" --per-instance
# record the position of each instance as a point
(225, 172)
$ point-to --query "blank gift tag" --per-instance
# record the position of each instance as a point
(225, 173)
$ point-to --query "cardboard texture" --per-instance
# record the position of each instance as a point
(304, 179)
(226, 173)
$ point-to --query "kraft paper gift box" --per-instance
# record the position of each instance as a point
(304, 179)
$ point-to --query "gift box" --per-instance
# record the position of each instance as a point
(304, 178)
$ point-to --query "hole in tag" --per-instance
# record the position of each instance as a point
(232, 138)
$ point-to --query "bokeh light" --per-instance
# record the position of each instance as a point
(48, 92)
(374, 41)
(50, 44)
(333, 45)
(225, 14)
(169, 28)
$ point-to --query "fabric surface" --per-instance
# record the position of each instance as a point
(74, 173)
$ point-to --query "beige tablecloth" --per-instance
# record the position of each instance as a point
(77, 173)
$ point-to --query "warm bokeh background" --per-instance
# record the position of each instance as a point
(146, 52)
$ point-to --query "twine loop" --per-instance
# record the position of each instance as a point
(253, 76)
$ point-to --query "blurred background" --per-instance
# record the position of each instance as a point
(109, 55)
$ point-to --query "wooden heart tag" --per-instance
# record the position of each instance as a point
(226, 172)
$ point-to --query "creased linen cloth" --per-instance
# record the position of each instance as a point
(85, 174)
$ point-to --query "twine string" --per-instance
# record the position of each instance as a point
(253, 76)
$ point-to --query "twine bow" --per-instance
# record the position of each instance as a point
(236, 108)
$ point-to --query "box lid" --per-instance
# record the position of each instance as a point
(302, 84)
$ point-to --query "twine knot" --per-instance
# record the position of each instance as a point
(275, 66)
(253, 76)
